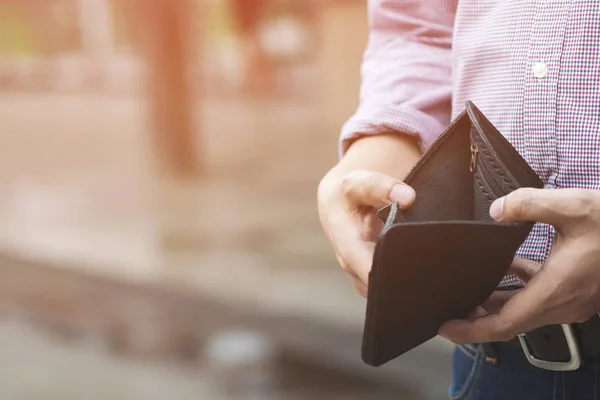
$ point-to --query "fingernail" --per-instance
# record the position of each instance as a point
(497, 208)
(402, 194)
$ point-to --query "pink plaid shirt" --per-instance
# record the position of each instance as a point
(533, 67)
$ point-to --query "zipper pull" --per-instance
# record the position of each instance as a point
(474, 153)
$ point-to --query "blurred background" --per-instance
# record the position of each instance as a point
(159, 236)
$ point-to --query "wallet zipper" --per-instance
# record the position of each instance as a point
(474, 155)
(487, 177)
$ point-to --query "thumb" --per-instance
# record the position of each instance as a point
(374, 189)
(556, 207)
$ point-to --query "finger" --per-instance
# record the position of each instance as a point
(374, 189)
(354, 254)
(524, 269)
(497, 300)
(478, 312)
(492, 305)
(371, 228)
(520, 314)
(360, 260)
(359, 285)
(556, 207)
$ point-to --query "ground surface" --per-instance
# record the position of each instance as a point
(78, 188)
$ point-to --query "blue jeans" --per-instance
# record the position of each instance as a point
(501, 372)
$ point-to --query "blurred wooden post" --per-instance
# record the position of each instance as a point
(96, 29)
(168, 28)
(344, 32)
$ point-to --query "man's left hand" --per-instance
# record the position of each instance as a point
(565, 290)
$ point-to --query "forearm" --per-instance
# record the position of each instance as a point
(406, 75)
(392, 154)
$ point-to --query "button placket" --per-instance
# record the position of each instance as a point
(541, 85)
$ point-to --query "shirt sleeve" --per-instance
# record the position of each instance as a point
(406, 73)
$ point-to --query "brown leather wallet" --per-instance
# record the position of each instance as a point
(441, 258)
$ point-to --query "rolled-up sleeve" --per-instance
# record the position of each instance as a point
(406, 73)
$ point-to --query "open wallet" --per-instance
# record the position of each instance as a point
(444, 256)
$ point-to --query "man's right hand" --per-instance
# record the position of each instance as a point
(352, 192)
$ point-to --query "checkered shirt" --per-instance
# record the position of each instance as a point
(532, 67)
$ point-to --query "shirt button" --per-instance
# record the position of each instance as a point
(540, 70)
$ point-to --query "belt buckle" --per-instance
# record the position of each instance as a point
(574, 351)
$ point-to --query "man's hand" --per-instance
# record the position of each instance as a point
(352, 192)
(565, 290)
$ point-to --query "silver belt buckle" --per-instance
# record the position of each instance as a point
(570, 365)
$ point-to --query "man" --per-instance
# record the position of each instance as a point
(533, 67)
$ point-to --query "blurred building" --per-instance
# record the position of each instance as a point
(107, 253)
(95, 43)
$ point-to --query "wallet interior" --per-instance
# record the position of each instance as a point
(439, 259)
(463, 173)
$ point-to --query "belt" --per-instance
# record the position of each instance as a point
(561, 347)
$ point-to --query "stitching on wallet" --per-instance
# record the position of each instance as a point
(487, 194)
(495, 165)
(516, 159)
(596, 381)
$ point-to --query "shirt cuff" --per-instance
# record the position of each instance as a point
(389, 119)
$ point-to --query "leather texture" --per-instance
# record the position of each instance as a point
(444, 256)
